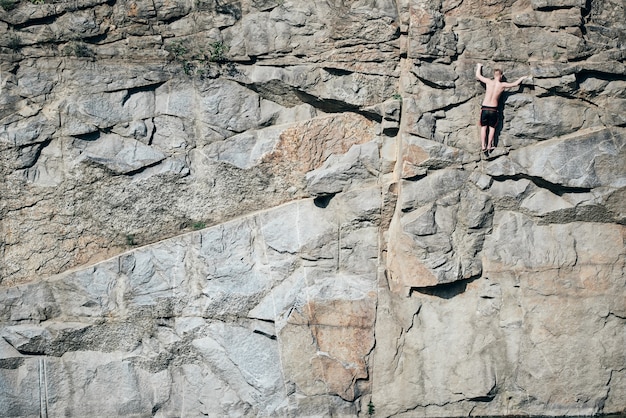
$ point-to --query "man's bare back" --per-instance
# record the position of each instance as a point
(495, 87)
(489, 115)
(493, 91)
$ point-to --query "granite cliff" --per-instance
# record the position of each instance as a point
(280, 208)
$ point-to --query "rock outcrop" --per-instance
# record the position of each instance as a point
(278, 208)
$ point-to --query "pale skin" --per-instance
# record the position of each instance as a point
(494, 88)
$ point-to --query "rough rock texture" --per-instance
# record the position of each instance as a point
(279, 208)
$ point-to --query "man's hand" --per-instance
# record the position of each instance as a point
(479, 73)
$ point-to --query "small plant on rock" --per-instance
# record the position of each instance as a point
(130, 240)
(178, 50)
(15, 42)
(217, 52)
(8, 5)
(195, 59)
(181, 54)
(79, 49)
(199, 225)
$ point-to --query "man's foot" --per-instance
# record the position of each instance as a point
(491, 148)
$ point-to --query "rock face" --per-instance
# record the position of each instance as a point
(279, 208)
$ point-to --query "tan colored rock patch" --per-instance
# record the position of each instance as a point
(306, 146)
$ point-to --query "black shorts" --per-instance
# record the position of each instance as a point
(489, 116)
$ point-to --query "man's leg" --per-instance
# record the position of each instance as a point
(483, 137)
(492, 134)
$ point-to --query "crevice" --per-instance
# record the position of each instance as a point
(138, 170)
(267, 321)
(140, 89)
(439, 405)
(553, 8)
(13, 70)
(289, 96)
(335, 106)
(613, 314)
(27, 206)
(415, 315)
(444, 290)
(275, 91)
(265, 334)
(588, 96)
(555, 188)
(490, 396)
(486, 398)
(95, 40)
(132, 90)
(34, 158)
(89, 136)
(585, 74)
(151, 134)
(585, 10)
(338, 72)
(452, 105)
(40, 21)
(417, 177)
(391, 132)
(557, 92)
(162, 21)
(323, 201)
(431, 84)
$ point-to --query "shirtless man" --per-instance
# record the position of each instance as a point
(489, 110)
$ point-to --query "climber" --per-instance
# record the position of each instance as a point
(489, 114)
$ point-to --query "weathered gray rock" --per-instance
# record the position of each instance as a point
(544, 4)
(513, 305)
(212, 280)
(361, 162)
(355, 253)
(570, 161)
(559, 18)
(121, 155)
(441, 236)
(420, 155)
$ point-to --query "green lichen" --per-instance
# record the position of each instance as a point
(195, 59)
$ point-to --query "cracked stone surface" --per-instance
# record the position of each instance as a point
(278, 208)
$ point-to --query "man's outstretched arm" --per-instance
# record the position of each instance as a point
(479, 75)
(516, 82)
